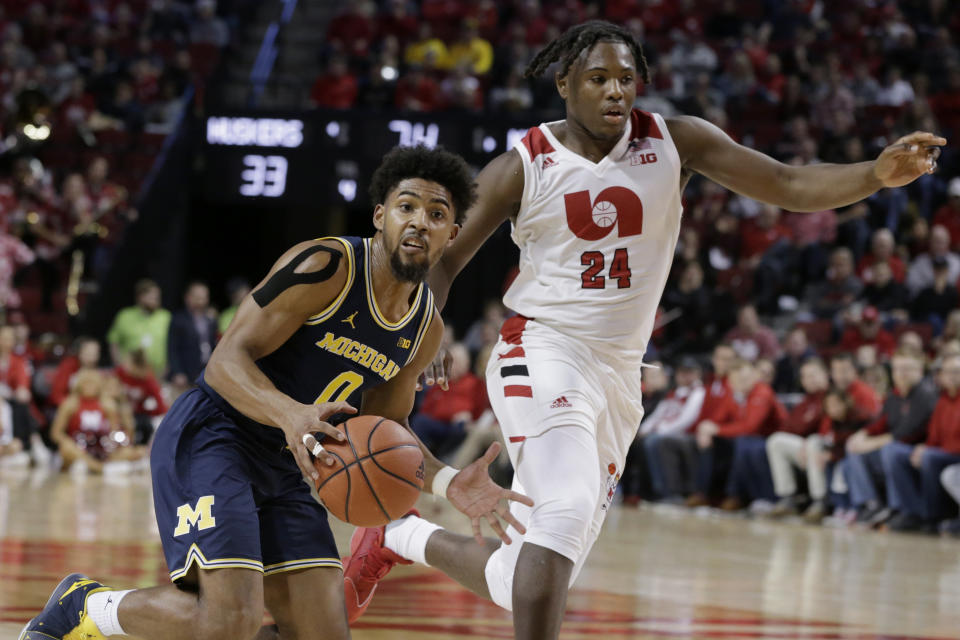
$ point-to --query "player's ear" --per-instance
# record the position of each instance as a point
(454, 232)
(378, 213)
(563, 86)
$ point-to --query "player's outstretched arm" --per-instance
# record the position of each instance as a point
(302, 283)
(499, 190)
(470, 490)
(706, 149)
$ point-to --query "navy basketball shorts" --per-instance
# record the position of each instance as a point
(230, 495)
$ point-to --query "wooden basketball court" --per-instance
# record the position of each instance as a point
(655, 572)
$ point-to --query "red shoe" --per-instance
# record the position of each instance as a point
(368, 563)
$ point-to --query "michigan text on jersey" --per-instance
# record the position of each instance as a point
(361, 354)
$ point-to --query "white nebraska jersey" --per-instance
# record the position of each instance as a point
(597, 239)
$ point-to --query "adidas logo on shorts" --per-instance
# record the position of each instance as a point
(561, 403)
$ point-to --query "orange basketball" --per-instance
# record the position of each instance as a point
(378, 474)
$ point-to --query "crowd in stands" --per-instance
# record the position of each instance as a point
(809, 362)
(95, 407)
(87, 92)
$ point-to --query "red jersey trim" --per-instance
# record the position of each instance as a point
(536, 143)
(518, 391)
(512, 330)
(643, 125)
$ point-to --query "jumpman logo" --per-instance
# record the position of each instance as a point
(349, 319)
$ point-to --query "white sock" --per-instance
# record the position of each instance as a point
(408, 537)
(102, 609)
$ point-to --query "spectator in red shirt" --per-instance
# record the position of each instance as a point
(750, 339)
(745, 421)
(798, 445)
(397, 21)
(86, 357)
(948, 215)
(913, 472)
(416, 91)
(763, 239)
(352, 31)
(144, 394)
(444, 415)
(335, 88)
(882, 248)
(869, 331)
(717, 385)
(843, 374)
(89, 428)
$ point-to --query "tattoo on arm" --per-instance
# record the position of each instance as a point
(286, 277)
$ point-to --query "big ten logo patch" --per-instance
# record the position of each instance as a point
(595, 219)
(403, 343)
(613, 479)
(643, 158)
(200, 516)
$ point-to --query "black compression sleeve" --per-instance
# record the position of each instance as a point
(286, 277)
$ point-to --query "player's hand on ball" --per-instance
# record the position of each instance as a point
(477, 496)
(908, 158)
(436, 371)
(311, 419)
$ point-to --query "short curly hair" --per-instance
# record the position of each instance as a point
(436, 165)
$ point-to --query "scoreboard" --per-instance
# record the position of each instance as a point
(304, 158)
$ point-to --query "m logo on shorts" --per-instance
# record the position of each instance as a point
(201, 516)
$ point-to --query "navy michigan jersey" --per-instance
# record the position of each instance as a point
(349, 346)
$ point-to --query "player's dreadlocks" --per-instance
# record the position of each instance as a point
(583, 36)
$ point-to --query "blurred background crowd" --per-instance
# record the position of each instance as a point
(809, 363)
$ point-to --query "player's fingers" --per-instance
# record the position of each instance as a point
(313, 445)
(518, 497)
(328, 409)
(475, 523)
(513, 522)
(491, 453)
(303, 460)
(504, 512)
(923, 137)
(498, 528)
(429, 375)
(443, 363)
(329, 430)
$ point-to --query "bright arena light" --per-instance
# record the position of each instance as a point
(36, 133)
(333, 128)
(489, 144)
(348, 189)
(388, 73)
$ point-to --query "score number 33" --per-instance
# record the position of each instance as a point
(264, 176)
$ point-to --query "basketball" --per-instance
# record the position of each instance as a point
(604, 214)
(378, 474)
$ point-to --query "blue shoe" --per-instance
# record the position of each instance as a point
(64, 617)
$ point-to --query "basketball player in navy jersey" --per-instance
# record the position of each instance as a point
(334, 318)
(595, 204)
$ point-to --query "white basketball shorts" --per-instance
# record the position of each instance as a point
(568, 415)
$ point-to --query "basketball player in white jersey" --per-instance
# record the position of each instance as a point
(595, 204)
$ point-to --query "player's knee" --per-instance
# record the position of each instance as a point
(561, 523)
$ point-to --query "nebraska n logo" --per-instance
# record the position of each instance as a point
(201, 516)
(613, 207)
